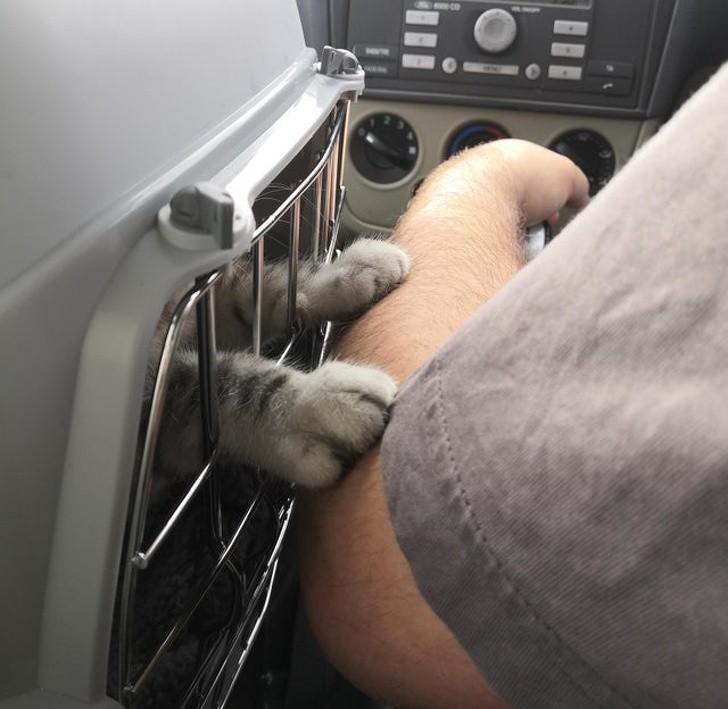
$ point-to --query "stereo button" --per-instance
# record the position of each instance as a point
(566, 73)
(422, 17)
(621, 70)
(375, 51)
(449, 65)
(497, 69)
(575, 29)
(532, 72)
(420, 39)
(572, 51)
(607, 86)
(418, 61)
(374, 69)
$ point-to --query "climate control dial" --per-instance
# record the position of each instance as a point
(495, 31)
(384, 148)
(474, 134)
(592, 154)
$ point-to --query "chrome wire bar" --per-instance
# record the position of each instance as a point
(316, 235)
(237, 649)
(209, 410)
(132, 688)
(143, 487)
(345, 109)
(141, 559)
(207, 354)
(296, 193)
(174, 334)
(333, 189)
(326, 226)
(328, 330)
(295, 235)
(331, 252)
(265, 585)
(258, 251)
(207, 376)
(332, 186)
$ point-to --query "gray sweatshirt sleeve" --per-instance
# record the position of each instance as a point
(558, 474)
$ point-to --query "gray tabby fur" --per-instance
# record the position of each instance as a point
(306, 427)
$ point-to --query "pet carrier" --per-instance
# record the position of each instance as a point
(145, 147)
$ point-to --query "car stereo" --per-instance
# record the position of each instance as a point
(590, 53)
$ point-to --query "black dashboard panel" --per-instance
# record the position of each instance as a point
(593, 79)
(596, 54)
(664, 41)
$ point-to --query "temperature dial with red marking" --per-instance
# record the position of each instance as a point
(384, 148)
(474, 134)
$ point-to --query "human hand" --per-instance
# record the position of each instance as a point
(536, 181)
(463, 231)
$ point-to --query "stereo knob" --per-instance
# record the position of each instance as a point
(495, 30)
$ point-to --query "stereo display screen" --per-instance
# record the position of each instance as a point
(561, 3)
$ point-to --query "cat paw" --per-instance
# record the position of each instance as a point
(340, 414)
(364, 273)
(376, 265)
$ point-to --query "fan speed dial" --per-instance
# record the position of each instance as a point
(592, 154)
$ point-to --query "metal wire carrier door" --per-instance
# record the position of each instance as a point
(200, 561)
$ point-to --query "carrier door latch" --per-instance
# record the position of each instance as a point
(335, 62)
(205, 207)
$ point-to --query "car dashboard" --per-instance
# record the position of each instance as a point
(591, 79)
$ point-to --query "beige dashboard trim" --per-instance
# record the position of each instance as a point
(374, 207)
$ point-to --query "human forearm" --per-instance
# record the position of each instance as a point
(462, 233)
(446, 284)
(362, 600)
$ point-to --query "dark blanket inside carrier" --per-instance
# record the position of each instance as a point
(183, 567)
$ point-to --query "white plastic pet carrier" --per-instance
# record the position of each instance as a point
(111, 593)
